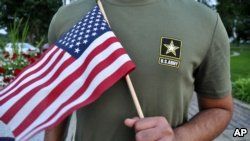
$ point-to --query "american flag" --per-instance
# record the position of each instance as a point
(74, 72)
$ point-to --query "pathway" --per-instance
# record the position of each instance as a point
(241, 119)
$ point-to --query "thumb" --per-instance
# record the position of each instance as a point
(130, 122)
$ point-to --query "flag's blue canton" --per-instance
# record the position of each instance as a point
(78, 38)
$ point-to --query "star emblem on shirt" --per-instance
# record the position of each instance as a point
(171, 48)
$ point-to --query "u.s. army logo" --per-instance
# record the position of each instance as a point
(170, 52)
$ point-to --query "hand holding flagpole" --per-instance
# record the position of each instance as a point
(128, 80)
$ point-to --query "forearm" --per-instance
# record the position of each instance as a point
(205, 126)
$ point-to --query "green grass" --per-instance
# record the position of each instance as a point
(240, 65)
(240, 72)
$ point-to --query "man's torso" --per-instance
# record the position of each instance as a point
(168, 40)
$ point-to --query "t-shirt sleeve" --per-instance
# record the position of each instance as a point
(212, 78)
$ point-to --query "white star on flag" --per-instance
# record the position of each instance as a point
(77, 50)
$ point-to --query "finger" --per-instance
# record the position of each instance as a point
(150, 122)
(151, 134)
(130, 122)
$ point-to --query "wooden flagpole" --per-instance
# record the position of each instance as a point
(128, 80)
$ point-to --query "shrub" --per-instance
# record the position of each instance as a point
(241, 89)
(11, 63)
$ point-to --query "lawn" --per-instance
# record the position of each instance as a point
(240, 65)
(240, 72)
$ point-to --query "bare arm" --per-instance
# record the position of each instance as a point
(212, 119)
(56, 133)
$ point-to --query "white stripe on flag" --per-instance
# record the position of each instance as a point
(95, 43)
(28, 71)
(75, 85)
(39, 96)
(92, 46)
(95, 83)
(5, 107)
(34, 75)
(17, 120)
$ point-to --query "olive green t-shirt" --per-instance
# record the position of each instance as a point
(179, 46)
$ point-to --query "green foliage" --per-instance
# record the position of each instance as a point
(11, 63)
(3, 41)
(235, 13)
(14, 35)
(241, 89)
(15, 60)
(240, 72)
(37, 12)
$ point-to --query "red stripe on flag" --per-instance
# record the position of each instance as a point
(19, 104)
(50, 99)
(66, 82)
(23, 86)
(24, 77)
(103, 86)
(28, 67)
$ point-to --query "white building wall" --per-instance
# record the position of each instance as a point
(65, 2)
